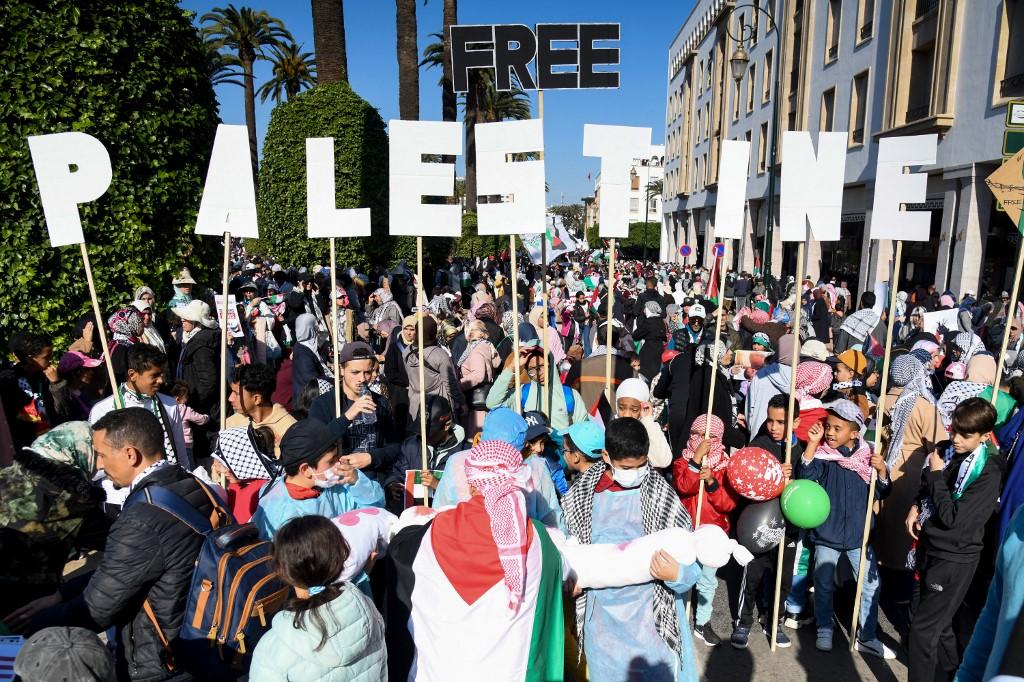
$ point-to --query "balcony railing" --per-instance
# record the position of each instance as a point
(858, 136)
(917, 113)
(1012, 85)
(865, 30)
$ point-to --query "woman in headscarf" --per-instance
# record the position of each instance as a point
(385, 308)
(307, 362)
(150, 334)
(508, 323)
(395, 378)
(487, 313)
(980, 374)
(568, 329)
(439, 376)
(966, 346)
(651, 330)
(911, 430)
(913, 331)
(566, 405)
(125, 327)
(543, 328)
(49, 509)
(477, 366)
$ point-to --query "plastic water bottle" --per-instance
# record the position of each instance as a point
(367, 417)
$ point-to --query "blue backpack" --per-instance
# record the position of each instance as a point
(234, 593)
(570, 401)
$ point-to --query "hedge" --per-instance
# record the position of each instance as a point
(133, 74)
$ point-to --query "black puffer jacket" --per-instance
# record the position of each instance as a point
(149, 555)
(200, 369)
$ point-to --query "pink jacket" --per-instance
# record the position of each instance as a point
(188, 417)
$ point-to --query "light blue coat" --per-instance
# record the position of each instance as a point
(354, 652)
(277, 507)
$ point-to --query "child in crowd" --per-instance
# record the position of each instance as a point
(959, 494)
(705, 460)
(638, 631)
(582, 447)
(771, 438)
(329, 630)
(186, 414)
(841, 462)
(633, 399)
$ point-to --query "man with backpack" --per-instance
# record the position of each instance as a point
(146, 571)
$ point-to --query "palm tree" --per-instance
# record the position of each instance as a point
(408, 53)
(247, 33)
(655, 188)
(485, 104)
(293, 71)
(329, 41)
(449, 104)
(221, 73)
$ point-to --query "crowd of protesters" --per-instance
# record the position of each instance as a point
(476, 586)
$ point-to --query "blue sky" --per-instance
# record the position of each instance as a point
(647, 30)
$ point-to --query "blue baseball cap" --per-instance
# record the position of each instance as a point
(505, 425)
(588, 437)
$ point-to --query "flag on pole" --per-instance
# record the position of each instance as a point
(560, 242)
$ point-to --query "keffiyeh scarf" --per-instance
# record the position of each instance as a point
(237, 451)
(387, 303)
(812, 379)
(495, 468)
(661, 509)
(859, 461)
(954, 394)
(861, 323)
(969, 345)
(716, 459)
(909, 373)
(125, 326)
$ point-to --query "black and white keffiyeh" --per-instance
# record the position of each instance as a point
(909, 373)
(860, 324)
(661, 509)
(236, 450)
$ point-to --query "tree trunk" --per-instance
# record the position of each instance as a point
(329, 41)
(449, 103)
(250, 113)
(470, 118)
(408, 61)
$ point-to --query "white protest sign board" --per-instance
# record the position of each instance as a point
(732, 189)
(61, 189)
(812, 186)
(950, 319)
(229, 196)
(521, 181)
(894, 187)
(234, 326)
(410, 179)
(617, 146)
(323, 217)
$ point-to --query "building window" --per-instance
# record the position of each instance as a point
(696, 128)
(828, 105)
(858, 108)
(919, 96)
(751, 86)
(766, 76)
(866, 20)
(707, 120)
(700, 77)
(832, 30)
(755, 18)
(762, 149)
(1012, 82)
(796, 55)
(634, 205)
(696, 173)
(705, 165)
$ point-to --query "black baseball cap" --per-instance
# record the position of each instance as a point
(355, 350)
(306, 441)
(536, 425)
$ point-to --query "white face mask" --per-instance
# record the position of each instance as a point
(327, 479)
(630, 478)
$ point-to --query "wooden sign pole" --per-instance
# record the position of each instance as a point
(610, 286)
(797, 310)
(546, 404)
(422, 362)
(334, 330)
(101, 328)
(880, 414)
(1010, 314)
(224, 335)
(713, 360)
(518, 406)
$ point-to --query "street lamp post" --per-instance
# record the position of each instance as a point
(738, 63)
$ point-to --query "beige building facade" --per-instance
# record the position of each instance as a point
(874, 69)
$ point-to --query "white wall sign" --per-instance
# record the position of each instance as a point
(812, 186)
(61, 189)
(732, 189)
(229, 197)
(521, 181)
(894, 187)
(323, 216)
(617, 146)
(410, 179)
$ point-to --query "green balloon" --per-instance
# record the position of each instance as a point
(805, 504)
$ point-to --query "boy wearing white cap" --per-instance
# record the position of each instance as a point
(633, 399)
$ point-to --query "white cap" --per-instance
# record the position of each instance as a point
(697, 310)
(633, 388)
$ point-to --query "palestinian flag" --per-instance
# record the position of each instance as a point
(453, 599)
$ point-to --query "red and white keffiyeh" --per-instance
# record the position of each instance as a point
(859, 461)
(716, 458)
(494, 468)
(812, 379)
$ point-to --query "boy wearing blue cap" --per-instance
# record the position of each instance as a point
(583, 444)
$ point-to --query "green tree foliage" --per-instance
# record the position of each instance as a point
(361, 180)
(634, 240)
(471, 244)
(135, 75)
